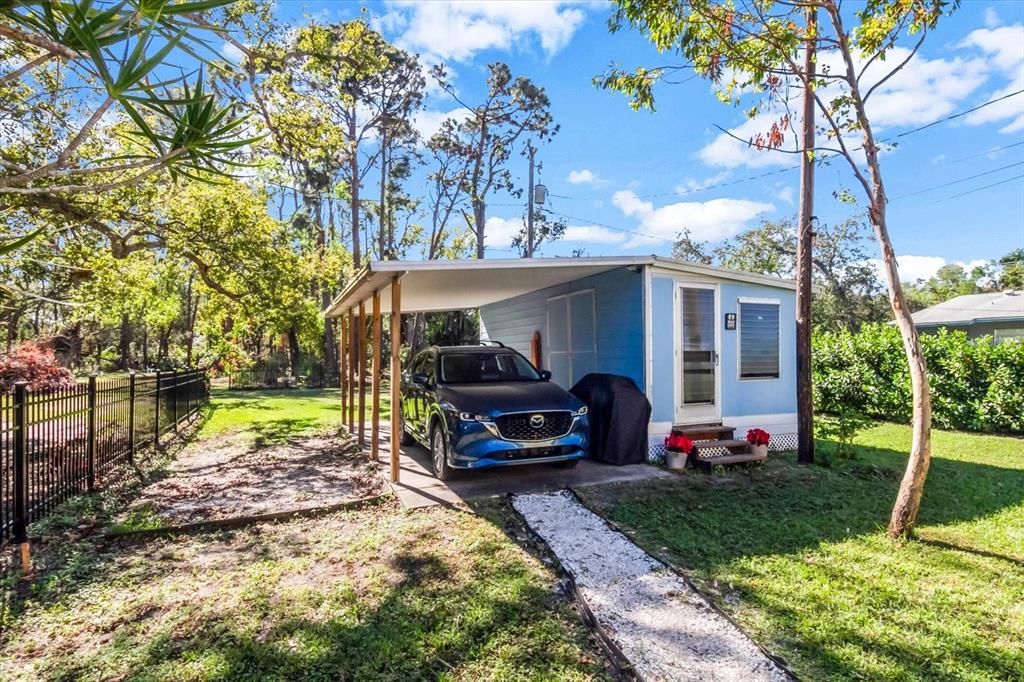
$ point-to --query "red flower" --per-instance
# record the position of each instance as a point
(677, 442)
(758, 437)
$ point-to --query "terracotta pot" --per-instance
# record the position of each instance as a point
(675, 459)
(760, 450)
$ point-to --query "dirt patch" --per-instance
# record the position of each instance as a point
(230, 477)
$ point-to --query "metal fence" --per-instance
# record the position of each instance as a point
(53, 444)
(272, 377)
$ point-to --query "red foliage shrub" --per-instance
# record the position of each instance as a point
(35, 363)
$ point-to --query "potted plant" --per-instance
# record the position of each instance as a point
(758, 439)
(677, 448)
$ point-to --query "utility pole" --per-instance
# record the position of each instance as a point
(529, 202)
(804, 244)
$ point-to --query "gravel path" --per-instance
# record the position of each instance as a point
(665, 629)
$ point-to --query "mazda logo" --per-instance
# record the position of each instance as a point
(537, 421)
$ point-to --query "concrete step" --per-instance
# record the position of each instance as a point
(706, 464)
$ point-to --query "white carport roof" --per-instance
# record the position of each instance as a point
(431, 286)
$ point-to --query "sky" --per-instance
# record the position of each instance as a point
(627, 181)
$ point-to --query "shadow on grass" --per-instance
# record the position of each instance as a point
(422, 612)
(279, 431)
(782, 508)
(800, 552)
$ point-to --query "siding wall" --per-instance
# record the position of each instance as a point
(618, 299)
(739, 397)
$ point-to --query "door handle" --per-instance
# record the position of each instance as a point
(715, 353)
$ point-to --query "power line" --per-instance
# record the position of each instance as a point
(953, 116)
(610, 227)
(987, 151)
(830, 156)
(978, 189)
(957, 182)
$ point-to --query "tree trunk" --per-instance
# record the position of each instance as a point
(145, 348)
(479, 217)
(124, 343)
(294, 356)
(354, 190)
(908, 499)
(383, 243)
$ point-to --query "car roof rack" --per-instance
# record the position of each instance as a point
(489, 342)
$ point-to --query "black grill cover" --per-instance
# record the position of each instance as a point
(619, 412)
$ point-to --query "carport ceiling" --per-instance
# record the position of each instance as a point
(432, 286)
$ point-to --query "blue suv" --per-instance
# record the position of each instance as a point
(484, 406)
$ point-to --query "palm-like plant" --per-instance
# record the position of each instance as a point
(114, 57)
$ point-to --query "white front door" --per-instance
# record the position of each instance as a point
(697, 375)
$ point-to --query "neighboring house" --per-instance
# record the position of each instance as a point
(706, 345)
(999, 315)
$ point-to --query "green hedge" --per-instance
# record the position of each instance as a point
(975, 385)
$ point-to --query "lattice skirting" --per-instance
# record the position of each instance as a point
(779, 442)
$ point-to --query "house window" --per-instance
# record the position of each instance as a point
(759, 339)
(1004, 335)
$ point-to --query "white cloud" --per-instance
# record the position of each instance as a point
(584, 176)
(991, 17)
(712, 220)
(693, 185)
(913, 268)
(938, 158)
(786, 194)
(231, 53)
(1004, 48)
(594, 234)
(456, 30)
(921, 92)
(498, 232)
(428, 122)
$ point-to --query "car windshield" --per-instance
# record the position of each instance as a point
(483, 367)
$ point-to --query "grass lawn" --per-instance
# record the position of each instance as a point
(274, 416)
(374, 594)
(799, 556)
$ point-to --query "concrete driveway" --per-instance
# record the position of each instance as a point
(418, 487)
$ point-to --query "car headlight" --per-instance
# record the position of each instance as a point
(580, 412)
(470, 417)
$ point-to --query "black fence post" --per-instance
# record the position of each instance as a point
(20, 525)
(131, 417)
(156, 413)
(90, 447)
(174, 397)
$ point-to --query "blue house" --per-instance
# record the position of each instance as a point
(707, 345)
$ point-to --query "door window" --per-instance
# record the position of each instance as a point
(698, 345)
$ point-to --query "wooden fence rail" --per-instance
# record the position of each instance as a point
(54, 444)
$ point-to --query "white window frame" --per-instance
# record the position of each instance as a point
(568, 326)
(739, 336)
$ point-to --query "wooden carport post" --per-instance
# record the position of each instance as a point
(351, 416)
(396, 373)
(361, 359)
(342, 369)
(375, 379)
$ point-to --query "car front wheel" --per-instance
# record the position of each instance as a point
(439, 455)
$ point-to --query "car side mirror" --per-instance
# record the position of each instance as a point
(420, 379)
(545, 375)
